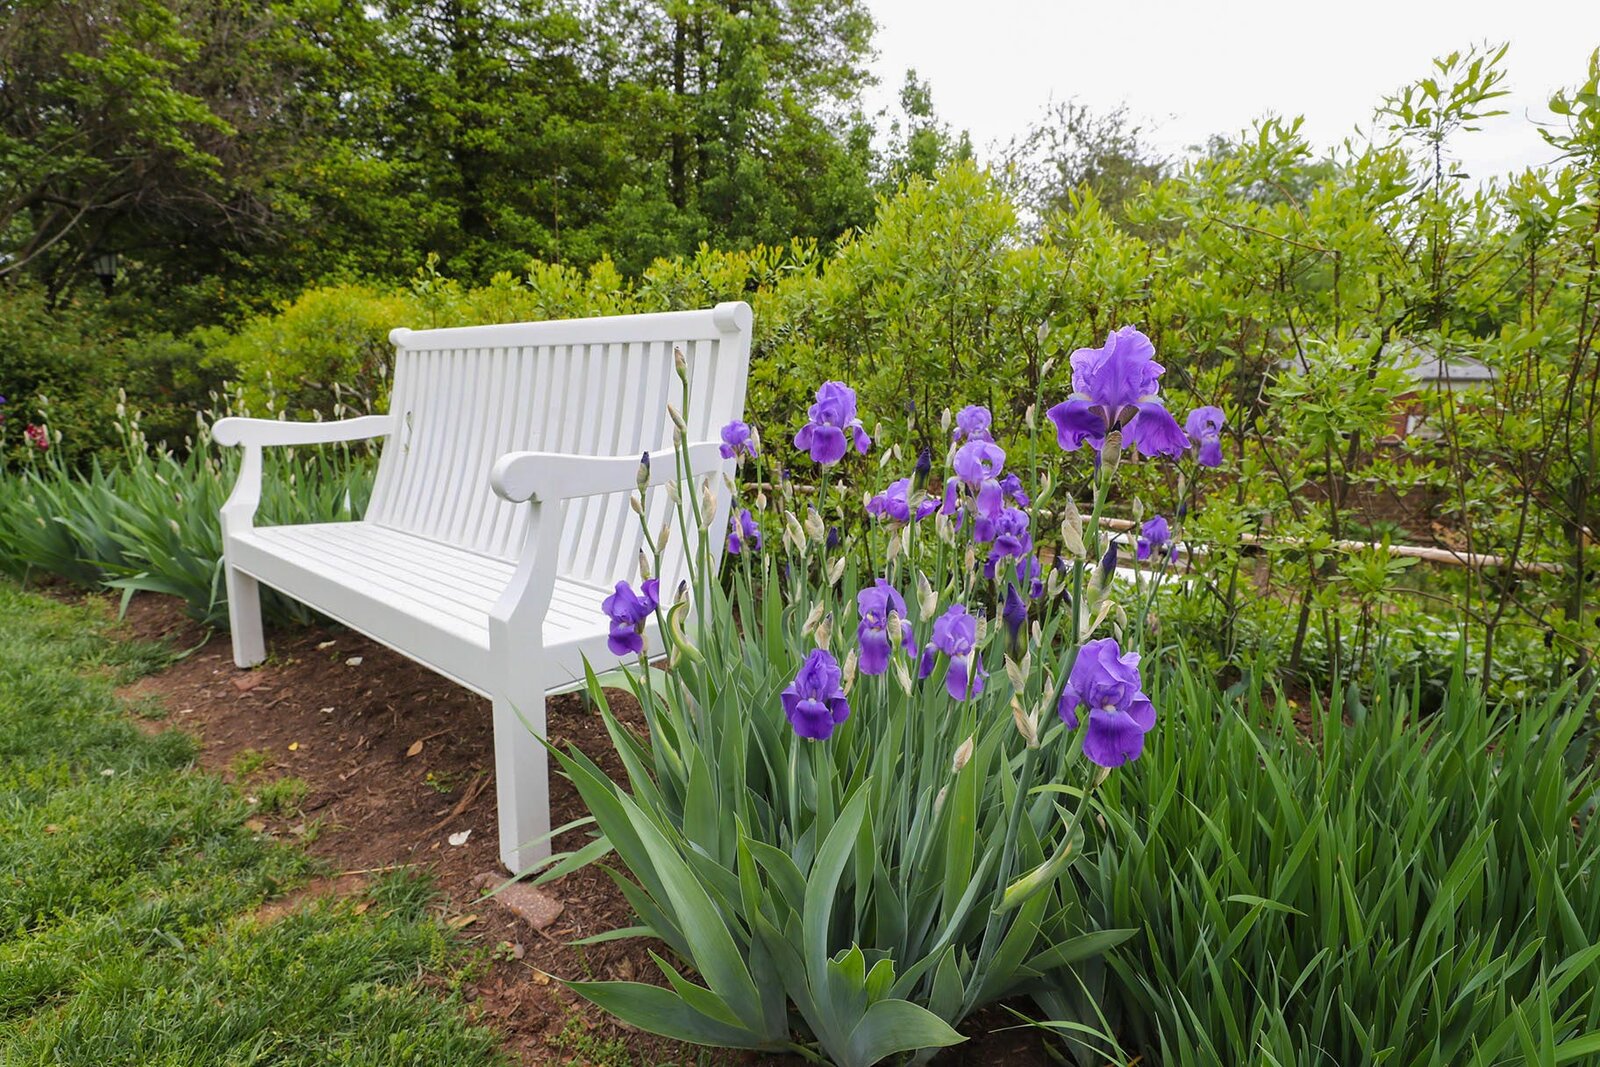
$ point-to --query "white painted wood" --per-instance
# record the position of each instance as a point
(499, 518)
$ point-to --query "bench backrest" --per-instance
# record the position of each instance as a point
(466, 396)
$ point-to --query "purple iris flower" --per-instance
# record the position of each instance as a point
(955, 633)
(737, 440)
(1011, 486)
(1030, 574)
(1204, 426)
(977, 462)
(1007, 534)
(1106, 682)
(972, 423)
(832, 417)
(1152, 536)
(628, 612)
(743, 530)
(875, 605)
(1115, 387)
(1015, 615)
(894, 504)
(978, 465)
(814, 701)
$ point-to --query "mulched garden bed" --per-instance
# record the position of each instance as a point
(346, 715)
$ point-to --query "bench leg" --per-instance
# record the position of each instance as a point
(522, 780)
(244, 618)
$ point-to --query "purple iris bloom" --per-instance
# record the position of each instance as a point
(814, 701)
(1204, 426)
(1152, 536)
(1011, 486)
(1106, 682)
(894, 503)
(832, 417)
(978, 465)
(1029, 573)
(1115, 387)
(737, 440)
(1007, 534)
(1015, 615)
(628, 612)
(743, 530)
(972, 423)
(955, 633)
(977, 462)
(875, 605)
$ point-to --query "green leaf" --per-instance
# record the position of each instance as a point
(661, 1011)
(894, 1026)
(712, 948)
(1076, 949)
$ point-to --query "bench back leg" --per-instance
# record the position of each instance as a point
(522, 779)
(244, 618)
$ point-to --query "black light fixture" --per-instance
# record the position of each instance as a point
(105, 265)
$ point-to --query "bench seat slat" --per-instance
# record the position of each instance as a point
(393, 586)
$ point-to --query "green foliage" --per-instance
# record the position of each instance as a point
(871, 890)
(236, 153)
(151, 522)
(63, 365)
(127, 925)
(1416, 889)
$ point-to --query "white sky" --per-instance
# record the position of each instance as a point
(1187, 70)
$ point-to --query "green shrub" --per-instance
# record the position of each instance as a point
(63, 366)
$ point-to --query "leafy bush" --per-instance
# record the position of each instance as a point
(63, 365)
(1417, 890)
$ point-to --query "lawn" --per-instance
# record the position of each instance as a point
(131, 891)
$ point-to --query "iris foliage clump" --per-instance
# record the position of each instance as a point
(857, 813)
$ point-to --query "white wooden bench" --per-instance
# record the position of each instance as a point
(499, 518)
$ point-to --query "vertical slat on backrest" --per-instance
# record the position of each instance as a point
(598, 387)
(513, 404)
(607, 418)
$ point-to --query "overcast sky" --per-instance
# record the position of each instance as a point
(1188, 70)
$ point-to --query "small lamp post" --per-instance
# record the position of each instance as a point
(105, 265)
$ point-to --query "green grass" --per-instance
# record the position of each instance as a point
(129, 887)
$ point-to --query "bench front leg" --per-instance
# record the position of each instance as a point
(516, 645)
(244, 593)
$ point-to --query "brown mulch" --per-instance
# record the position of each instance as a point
(344, 714)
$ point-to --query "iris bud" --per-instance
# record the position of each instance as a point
(812, 619)
(814, 528)
(1025, 724)
(962, 757)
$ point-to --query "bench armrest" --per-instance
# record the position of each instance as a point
(550, 477)
(239, 431)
